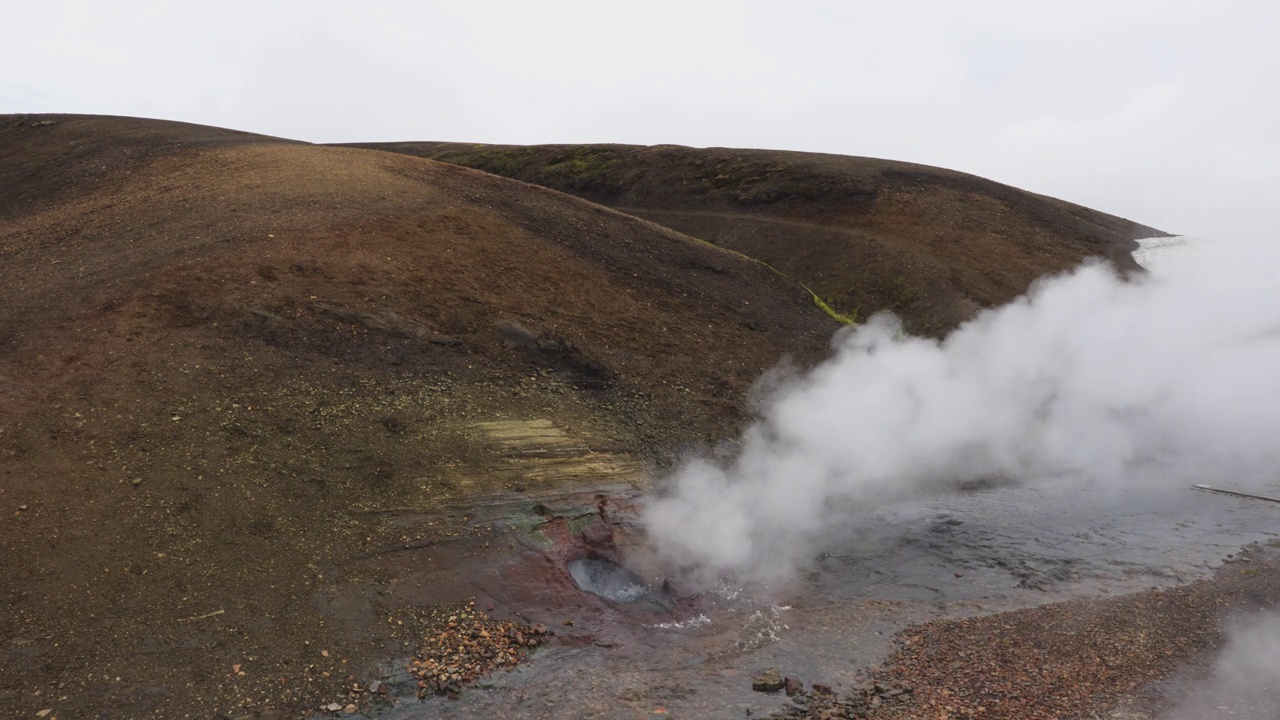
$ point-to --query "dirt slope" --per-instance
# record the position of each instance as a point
(931, 245)
(219, 351)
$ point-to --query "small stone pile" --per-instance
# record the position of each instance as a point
(464, 644)
(821, 703)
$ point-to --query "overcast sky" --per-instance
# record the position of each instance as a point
(1164, 111)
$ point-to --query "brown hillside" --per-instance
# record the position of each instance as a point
(221, 354)
(867, 235)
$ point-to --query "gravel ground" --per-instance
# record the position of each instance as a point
(1078, 659)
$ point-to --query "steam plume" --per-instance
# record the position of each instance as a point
(1246, 677)
(1172, 377)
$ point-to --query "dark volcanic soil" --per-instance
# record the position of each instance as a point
(931, 245)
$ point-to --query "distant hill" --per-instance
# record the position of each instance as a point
(218, 350)
(932, 245)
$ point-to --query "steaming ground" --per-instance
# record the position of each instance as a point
(1091, 380)
(1150, 250)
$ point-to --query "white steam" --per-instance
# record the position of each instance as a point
(1246, 677)
(1173, 377)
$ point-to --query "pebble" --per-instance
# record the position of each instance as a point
(768, 680)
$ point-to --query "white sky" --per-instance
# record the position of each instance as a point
(1164, 111)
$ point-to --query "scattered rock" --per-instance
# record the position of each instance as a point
(791, 685)
(516, 335)
(332, 707)
(22, 508)
(350, 709)
(769, 680)
(822, 689)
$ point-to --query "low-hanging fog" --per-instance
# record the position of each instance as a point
(1169, 377)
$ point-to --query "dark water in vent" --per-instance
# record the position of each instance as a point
(618, 584)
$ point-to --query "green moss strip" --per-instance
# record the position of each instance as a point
(850, 319)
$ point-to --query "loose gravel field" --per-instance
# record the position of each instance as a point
(1082, 659)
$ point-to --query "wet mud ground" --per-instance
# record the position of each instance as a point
(671, 652)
